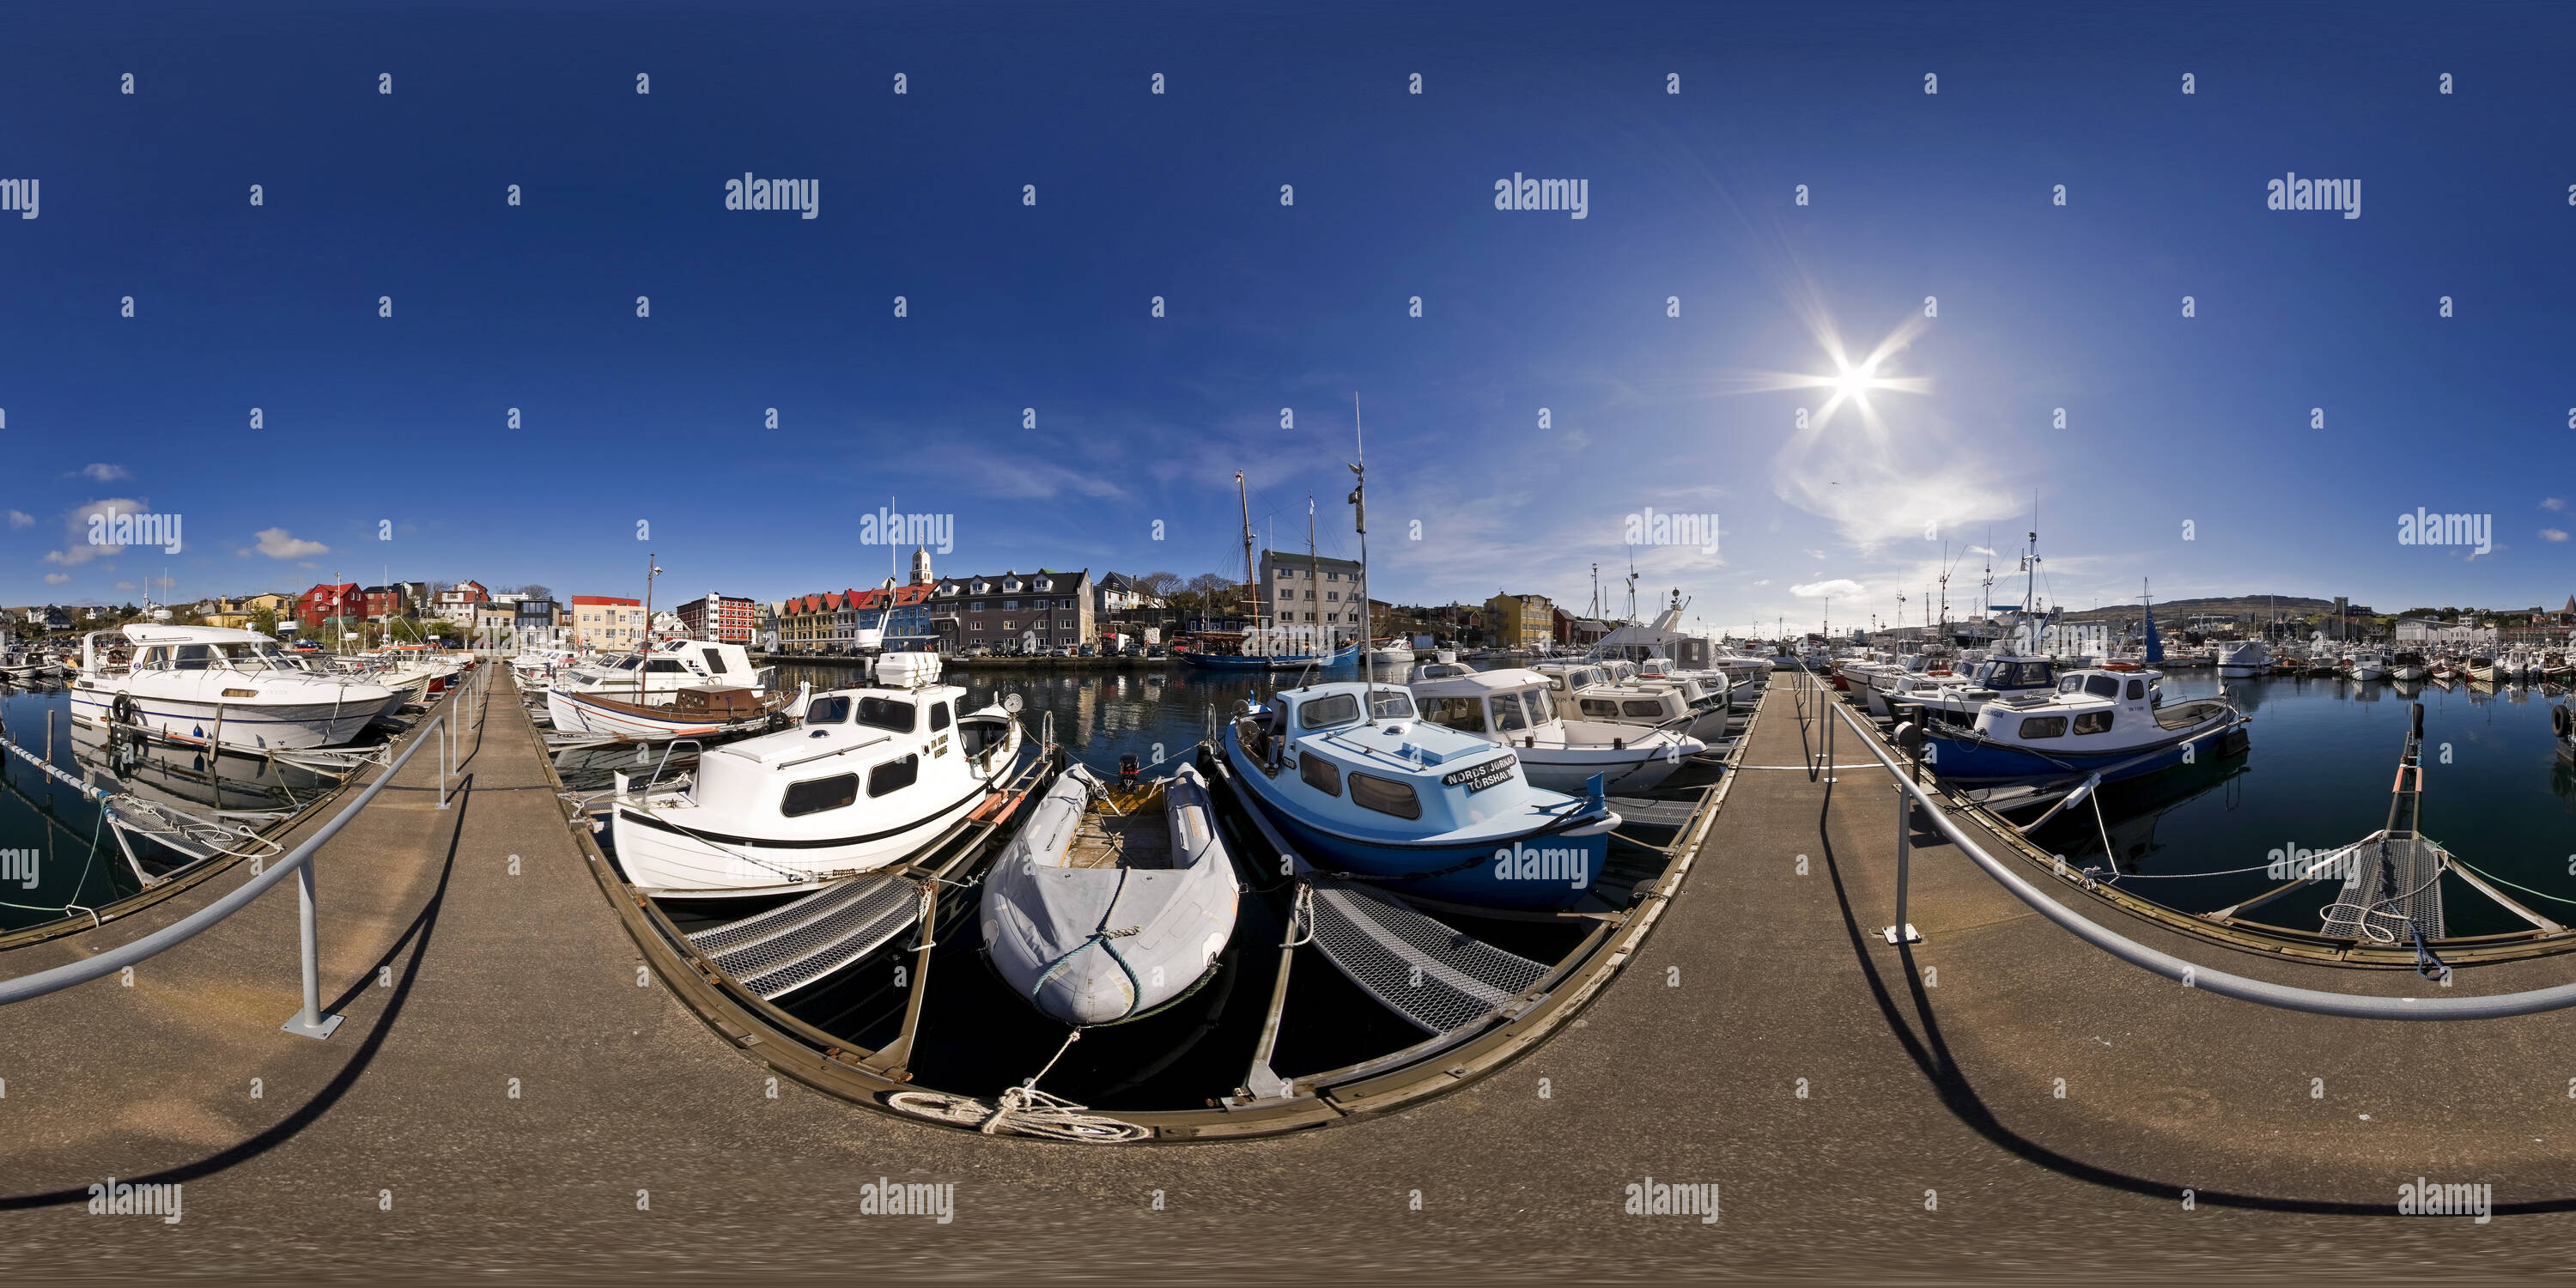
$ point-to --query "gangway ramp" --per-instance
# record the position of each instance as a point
(1439, 978)
(774, 953)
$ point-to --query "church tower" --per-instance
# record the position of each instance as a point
(921, 566)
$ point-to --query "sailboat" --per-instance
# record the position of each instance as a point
(1276, 649)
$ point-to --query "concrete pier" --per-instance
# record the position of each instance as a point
(505, 1097)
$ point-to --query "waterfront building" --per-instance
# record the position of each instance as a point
(326, 601)
(1520, 621)
(606, 622)
(1013, 610)
(731, 621)
(456, 603)
(1312, 597)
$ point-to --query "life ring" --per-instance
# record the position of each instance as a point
(122, 711)
(2561, 720)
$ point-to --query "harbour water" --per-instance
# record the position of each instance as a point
(2317, 777)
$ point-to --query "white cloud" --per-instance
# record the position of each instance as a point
(278, 543)
(125, 585)
(2553, 534)
(104, 473)
(1842, 586)
(19, 520)
(76, 547)
(57, 578)
(1764, 582)
(2553, 503)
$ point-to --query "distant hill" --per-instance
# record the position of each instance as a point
(2260, 606)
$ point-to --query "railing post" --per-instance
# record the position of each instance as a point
(310, 1021)
(446, 753)
(1903, 931)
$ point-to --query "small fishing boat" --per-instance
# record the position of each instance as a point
(2484, 669)
(1513, 709)
(870, 777)
(1612, 693)
(2244, 659)
(1113, 899)
(1388, 797)
(2098, 722)
(2367, 664)
(2407, 665)
(691, 713)
(648, 679)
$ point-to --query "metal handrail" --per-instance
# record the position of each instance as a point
(310, 1021)
(2189, 975)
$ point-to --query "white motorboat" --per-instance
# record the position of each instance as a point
(870, 777)
(1395, 656)
(2408, 665)
(2369, 663)
(2241, 658)
(1112, 900)
(1593, 691)
(215, 685)
(1686, 650)
(650, 679)
(1513, 709)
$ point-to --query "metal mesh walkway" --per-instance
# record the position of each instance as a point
(794, 944)
(1439, 978)
(2412, 867)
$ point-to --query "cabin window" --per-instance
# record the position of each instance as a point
(1321, 774)
(1642, 707)
(1507, 714)
(190, 657)
(1463, 714)
(2071, 684)
(938, 716)
(894, 775)
(2044, 727)
(1541, 709)
(1602, 707)
(1385, 795)
(715, 660)
(1390, 704)
(885, 713)
(664, 666)
(2102, 686)
(1326, 713)
(2093, 722)
(2137, 689)
(817, 795)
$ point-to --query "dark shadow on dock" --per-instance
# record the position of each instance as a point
(1931, 1054)
(417, 935)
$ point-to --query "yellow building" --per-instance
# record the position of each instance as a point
(1521, 621)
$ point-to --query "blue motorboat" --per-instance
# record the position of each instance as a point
(1227, 651)
(1365, 788)
(2104, 722)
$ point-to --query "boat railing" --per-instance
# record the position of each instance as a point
(310, 1022)
(2189, 974)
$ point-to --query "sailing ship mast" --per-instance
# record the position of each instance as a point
(1359, 510)
(1313, 574)
(1251, 577)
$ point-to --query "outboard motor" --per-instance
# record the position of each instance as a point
(1128, 773)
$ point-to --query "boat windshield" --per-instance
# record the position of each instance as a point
(1507, 712)
(1541, 708)
(1328, 712)
(625, 664)
(886, 713)
(1390, 704)
(828, 711)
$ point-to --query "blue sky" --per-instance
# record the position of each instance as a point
(2170, 420)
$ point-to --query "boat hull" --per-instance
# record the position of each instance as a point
(1536, 869)
(667, 852)
(580, 713)
(1982, 762)
(278, 727)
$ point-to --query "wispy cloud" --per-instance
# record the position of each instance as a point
(278, 543)
(2553, 534)
(76, 548)
(20, 520)
(101, 472)
(1843, 586)
(57, 578)
(2553, 503)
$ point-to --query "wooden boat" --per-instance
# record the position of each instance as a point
(1112, 900)
(691, 713)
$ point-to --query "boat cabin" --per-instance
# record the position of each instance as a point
(1395, 772)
